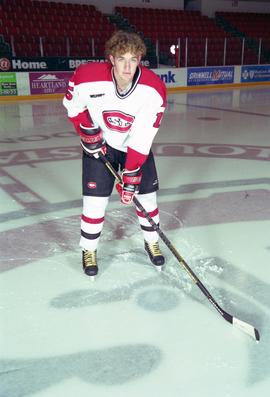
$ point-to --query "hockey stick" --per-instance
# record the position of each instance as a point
(245, 327)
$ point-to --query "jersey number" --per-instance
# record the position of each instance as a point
(158, 120)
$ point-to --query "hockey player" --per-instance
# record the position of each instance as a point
(116, 107)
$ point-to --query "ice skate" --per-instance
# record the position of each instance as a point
(89, 259)
(155, 254)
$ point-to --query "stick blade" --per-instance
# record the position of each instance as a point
(247, 328)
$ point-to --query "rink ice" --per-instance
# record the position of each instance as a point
(134, 331)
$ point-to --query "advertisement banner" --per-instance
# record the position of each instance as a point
(252, 74)
(49, 83)
(54, 63)
(172, 77)
(39, 64)
(210, 75)
(8, 84)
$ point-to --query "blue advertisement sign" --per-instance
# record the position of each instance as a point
(210, 75)
(252, 74)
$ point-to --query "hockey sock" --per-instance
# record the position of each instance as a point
(149, 202)
(92, 221)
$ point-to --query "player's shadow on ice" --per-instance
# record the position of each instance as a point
(238, 292)
(150, 294)
(108, 366)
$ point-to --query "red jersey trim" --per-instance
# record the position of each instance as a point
(94, 71)
(81, 119)
(149, 78)
(134, 159)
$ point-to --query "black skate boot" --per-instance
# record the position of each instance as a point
(89, 259)
(155, 254)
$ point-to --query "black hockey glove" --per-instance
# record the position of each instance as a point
(92, 141)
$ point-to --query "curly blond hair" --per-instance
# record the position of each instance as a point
(122, 42)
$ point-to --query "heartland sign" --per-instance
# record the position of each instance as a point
(49, 83)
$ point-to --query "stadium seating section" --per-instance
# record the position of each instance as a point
(35, 28)
(254, 28)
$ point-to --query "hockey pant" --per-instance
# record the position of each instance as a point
(93, 215)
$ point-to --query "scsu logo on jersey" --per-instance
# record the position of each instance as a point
(118, 121)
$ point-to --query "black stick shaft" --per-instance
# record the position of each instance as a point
(165, 239)
(228, 317)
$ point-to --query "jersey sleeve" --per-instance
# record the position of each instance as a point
(73, 101)
(144, 129)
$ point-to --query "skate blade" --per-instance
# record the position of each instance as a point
(92, 278)
(159, 268)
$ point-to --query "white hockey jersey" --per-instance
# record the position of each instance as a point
(129, 121)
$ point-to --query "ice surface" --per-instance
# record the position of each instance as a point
(135, 331)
